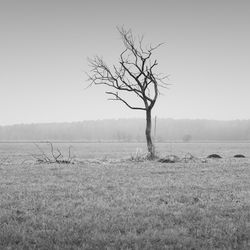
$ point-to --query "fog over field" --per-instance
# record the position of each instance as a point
(129, 130)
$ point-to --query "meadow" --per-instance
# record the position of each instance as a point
(105, 200)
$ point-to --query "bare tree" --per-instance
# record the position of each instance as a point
(133, 75)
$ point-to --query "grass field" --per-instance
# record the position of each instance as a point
(121, 204)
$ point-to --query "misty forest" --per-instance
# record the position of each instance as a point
(129, 130)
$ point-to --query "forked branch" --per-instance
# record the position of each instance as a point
(118, 98)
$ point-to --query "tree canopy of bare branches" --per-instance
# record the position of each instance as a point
(135, 74)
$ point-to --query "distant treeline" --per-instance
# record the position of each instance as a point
(129, 130)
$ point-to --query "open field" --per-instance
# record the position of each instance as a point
(125, 150)
(121, 204)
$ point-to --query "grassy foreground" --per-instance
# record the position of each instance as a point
(125, 205)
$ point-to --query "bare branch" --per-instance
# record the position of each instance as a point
(45, 157)
(69, 153)
(118, 98)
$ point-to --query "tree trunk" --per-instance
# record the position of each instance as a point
(150, 145)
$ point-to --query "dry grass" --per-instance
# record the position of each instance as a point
(126, 205)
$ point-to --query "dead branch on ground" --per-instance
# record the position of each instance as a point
(55, 156)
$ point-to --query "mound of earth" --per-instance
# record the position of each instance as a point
(214, 156)
(239, 156)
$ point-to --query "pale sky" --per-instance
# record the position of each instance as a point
(45, 45)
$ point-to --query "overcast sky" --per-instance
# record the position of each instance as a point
(45, 45)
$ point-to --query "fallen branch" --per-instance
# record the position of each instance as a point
(55, 156)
